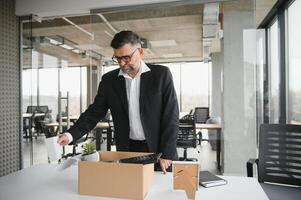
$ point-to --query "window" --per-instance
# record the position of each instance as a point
(48, 87)
(29, 88)
(294, 63)
(70, 82)
(191, 84)
(194, 85)
(274, 74)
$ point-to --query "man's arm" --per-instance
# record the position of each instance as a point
(87, 121)
(170, 120)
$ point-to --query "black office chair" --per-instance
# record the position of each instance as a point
(201, 114)
(279, 161)
(31, 109)
(187, 137)
(39, 120)
(28, 123)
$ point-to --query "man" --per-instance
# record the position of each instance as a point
(142, 101)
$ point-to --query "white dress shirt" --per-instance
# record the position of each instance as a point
(133, 95)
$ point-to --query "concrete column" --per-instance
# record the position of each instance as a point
(216, 85)
(239, 111)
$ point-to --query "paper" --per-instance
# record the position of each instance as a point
(70, 161)
(54, 149)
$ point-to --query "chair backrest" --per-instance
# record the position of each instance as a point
(201, 114)
(31, 109)
(280, 154)
(187, 136)
(38, 109)
(42, 109)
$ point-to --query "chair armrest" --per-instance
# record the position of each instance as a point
(250, 164)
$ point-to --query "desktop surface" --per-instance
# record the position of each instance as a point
(47, 182)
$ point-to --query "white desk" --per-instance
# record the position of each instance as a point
(45, 182)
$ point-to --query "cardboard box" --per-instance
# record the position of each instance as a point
(119, 180)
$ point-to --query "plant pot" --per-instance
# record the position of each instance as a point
(91, 157)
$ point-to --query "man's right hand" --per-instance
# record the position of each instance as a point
(62, 139)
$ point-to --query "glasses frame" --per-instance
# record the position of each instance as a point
(125, 59)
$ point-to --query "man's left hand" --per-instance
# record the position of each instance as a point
(164, 164)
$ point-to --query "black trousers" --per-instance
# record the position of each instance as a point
(141, 146)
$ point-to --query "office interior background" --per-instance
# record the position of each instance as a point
(238, 57)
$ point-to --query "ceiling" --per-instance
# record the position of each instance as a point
(173, 34)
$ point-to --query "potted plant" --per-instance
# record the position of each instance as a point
(89, 152)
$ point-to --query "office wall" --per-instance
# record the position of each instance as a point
(9, 89)
(239, 112)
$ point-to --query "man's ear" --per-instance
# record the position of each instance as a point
(141, 52)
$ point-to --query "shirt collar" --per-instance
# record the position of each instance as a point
(143, 68)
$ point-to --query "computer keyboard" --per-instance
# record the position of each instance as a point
(145, 159)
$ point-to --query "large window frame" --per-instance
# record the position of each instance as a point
(279, 13)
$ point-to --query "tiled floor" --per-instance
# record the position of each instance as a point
(204, 153)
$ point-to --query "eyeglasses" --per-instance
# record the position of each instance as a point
(125, 59)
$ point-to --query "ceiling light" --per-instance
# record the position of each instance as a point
(76, 51)
(54, 42)
(89, 47)
(163, 43)
(65, 46)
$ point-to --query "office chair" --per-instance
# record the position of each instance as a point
(39, 120)
(279, 161)
(187, 137)
(28, 123)
(31, 109)
(201, 114)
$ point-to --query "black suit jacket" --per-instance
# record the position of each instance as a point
(158, 110)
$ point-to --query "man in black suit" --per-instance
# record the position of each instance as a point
(142, 101)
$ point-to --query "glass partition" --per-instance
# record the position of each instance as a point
(50, 63)
(294, 63)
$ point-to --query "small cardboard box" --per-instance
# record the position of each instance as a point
(119, 180)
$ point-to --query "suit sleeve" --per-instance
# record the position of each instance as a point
(170, 120)
(94, 113)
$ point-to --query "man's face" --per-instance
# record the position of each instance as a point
(129, 58)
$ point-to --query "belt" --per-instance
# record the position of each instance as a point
(137, 141)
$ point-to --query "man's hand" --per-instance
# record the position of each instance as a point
(63, 139)
(164, 164)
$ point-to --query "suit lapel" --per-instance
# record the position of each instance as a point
(119, 85)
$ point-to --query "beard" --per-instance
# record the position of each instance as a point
(128, 69)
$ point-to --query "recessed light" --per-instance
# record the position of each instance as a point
(163, 43)
(65, 46)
